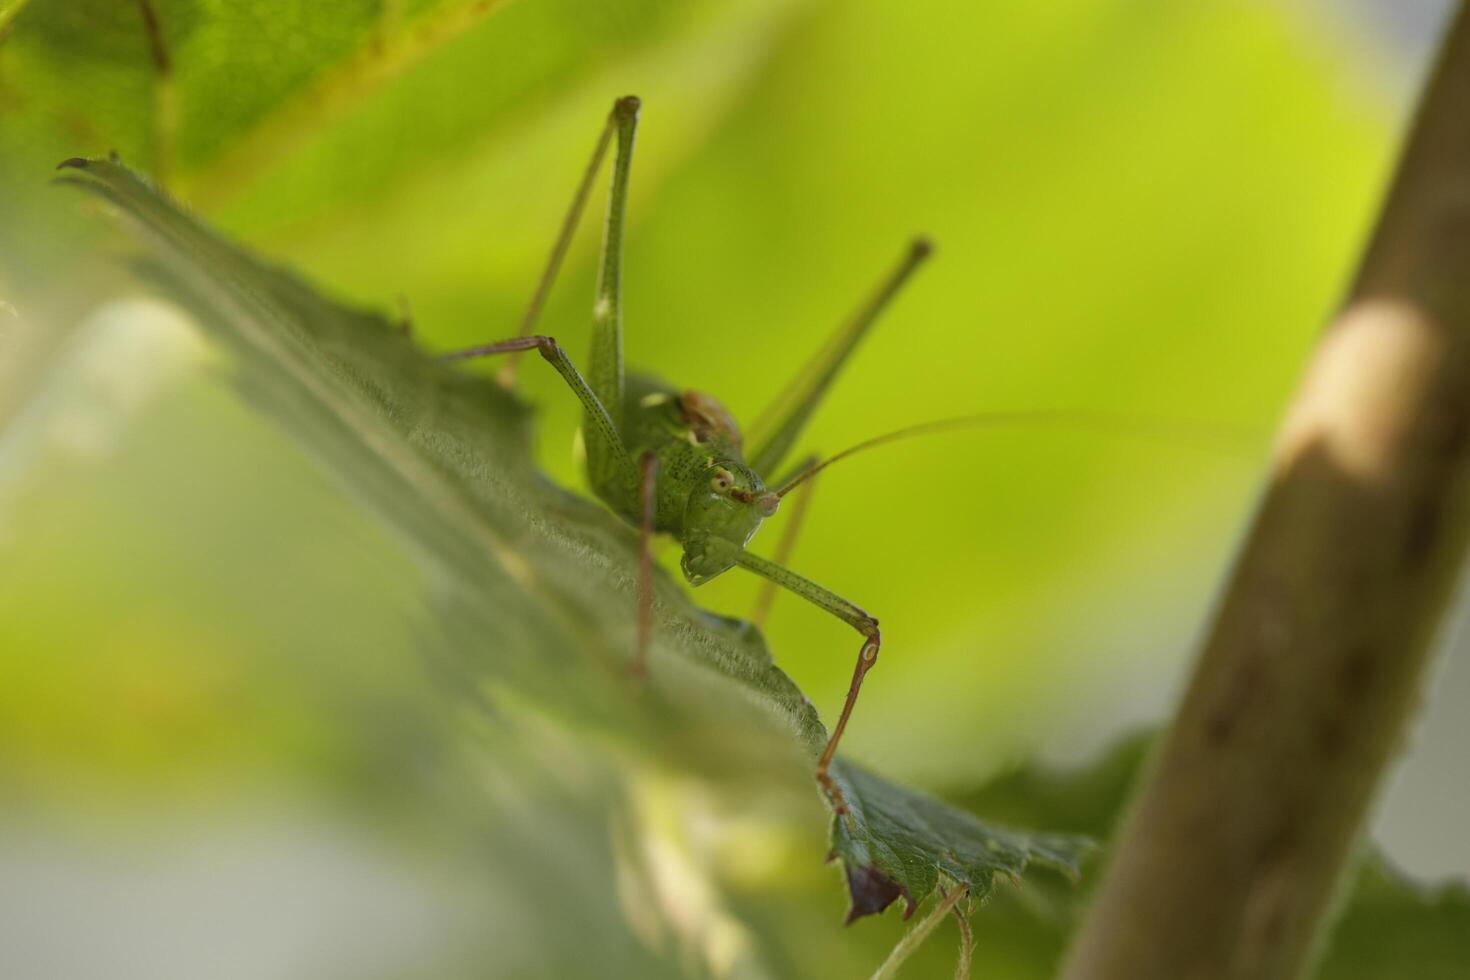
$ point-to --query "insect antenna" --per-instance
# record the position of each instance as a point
(1205, 437)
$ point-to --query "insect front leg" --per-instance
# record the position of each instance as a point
(794, 523)
(843, 610)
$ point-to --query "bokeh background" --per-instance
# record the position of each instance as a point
(220, 752)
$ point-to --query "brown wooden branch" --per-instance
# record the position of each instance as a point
(1229, 860)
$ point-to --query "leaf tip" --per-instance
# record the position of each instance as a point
(73, 163)
(871, 891)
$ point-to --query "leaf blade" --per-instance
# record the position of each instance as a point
(898, 842)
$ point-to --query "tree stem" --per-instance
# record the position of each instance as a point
(1230, 858)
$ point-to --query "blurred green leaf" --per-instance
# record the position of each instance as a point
(527, 571)
(287, 114)
(1393, 927)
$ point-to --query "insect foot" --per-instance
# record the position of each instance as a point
(627, 107)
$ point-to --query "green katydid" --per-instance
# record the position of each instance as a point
(670, 461)
(674, 462)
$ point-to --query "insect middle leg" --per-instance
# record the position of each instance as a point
(648, 510)
(596, 413)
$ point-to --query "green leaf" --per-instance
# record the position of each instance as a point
(1393, 927)
(897, 843)
(296, 112)
(535, 576)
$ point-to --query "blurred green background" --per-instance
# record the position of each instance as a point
(209, 677)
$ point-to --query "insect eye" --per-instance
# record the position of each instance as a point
(722, 480)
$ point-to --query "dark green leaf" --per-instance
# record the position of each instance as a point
(897, 842)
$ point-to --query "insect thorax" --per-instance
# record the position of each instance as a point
(688, 431)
